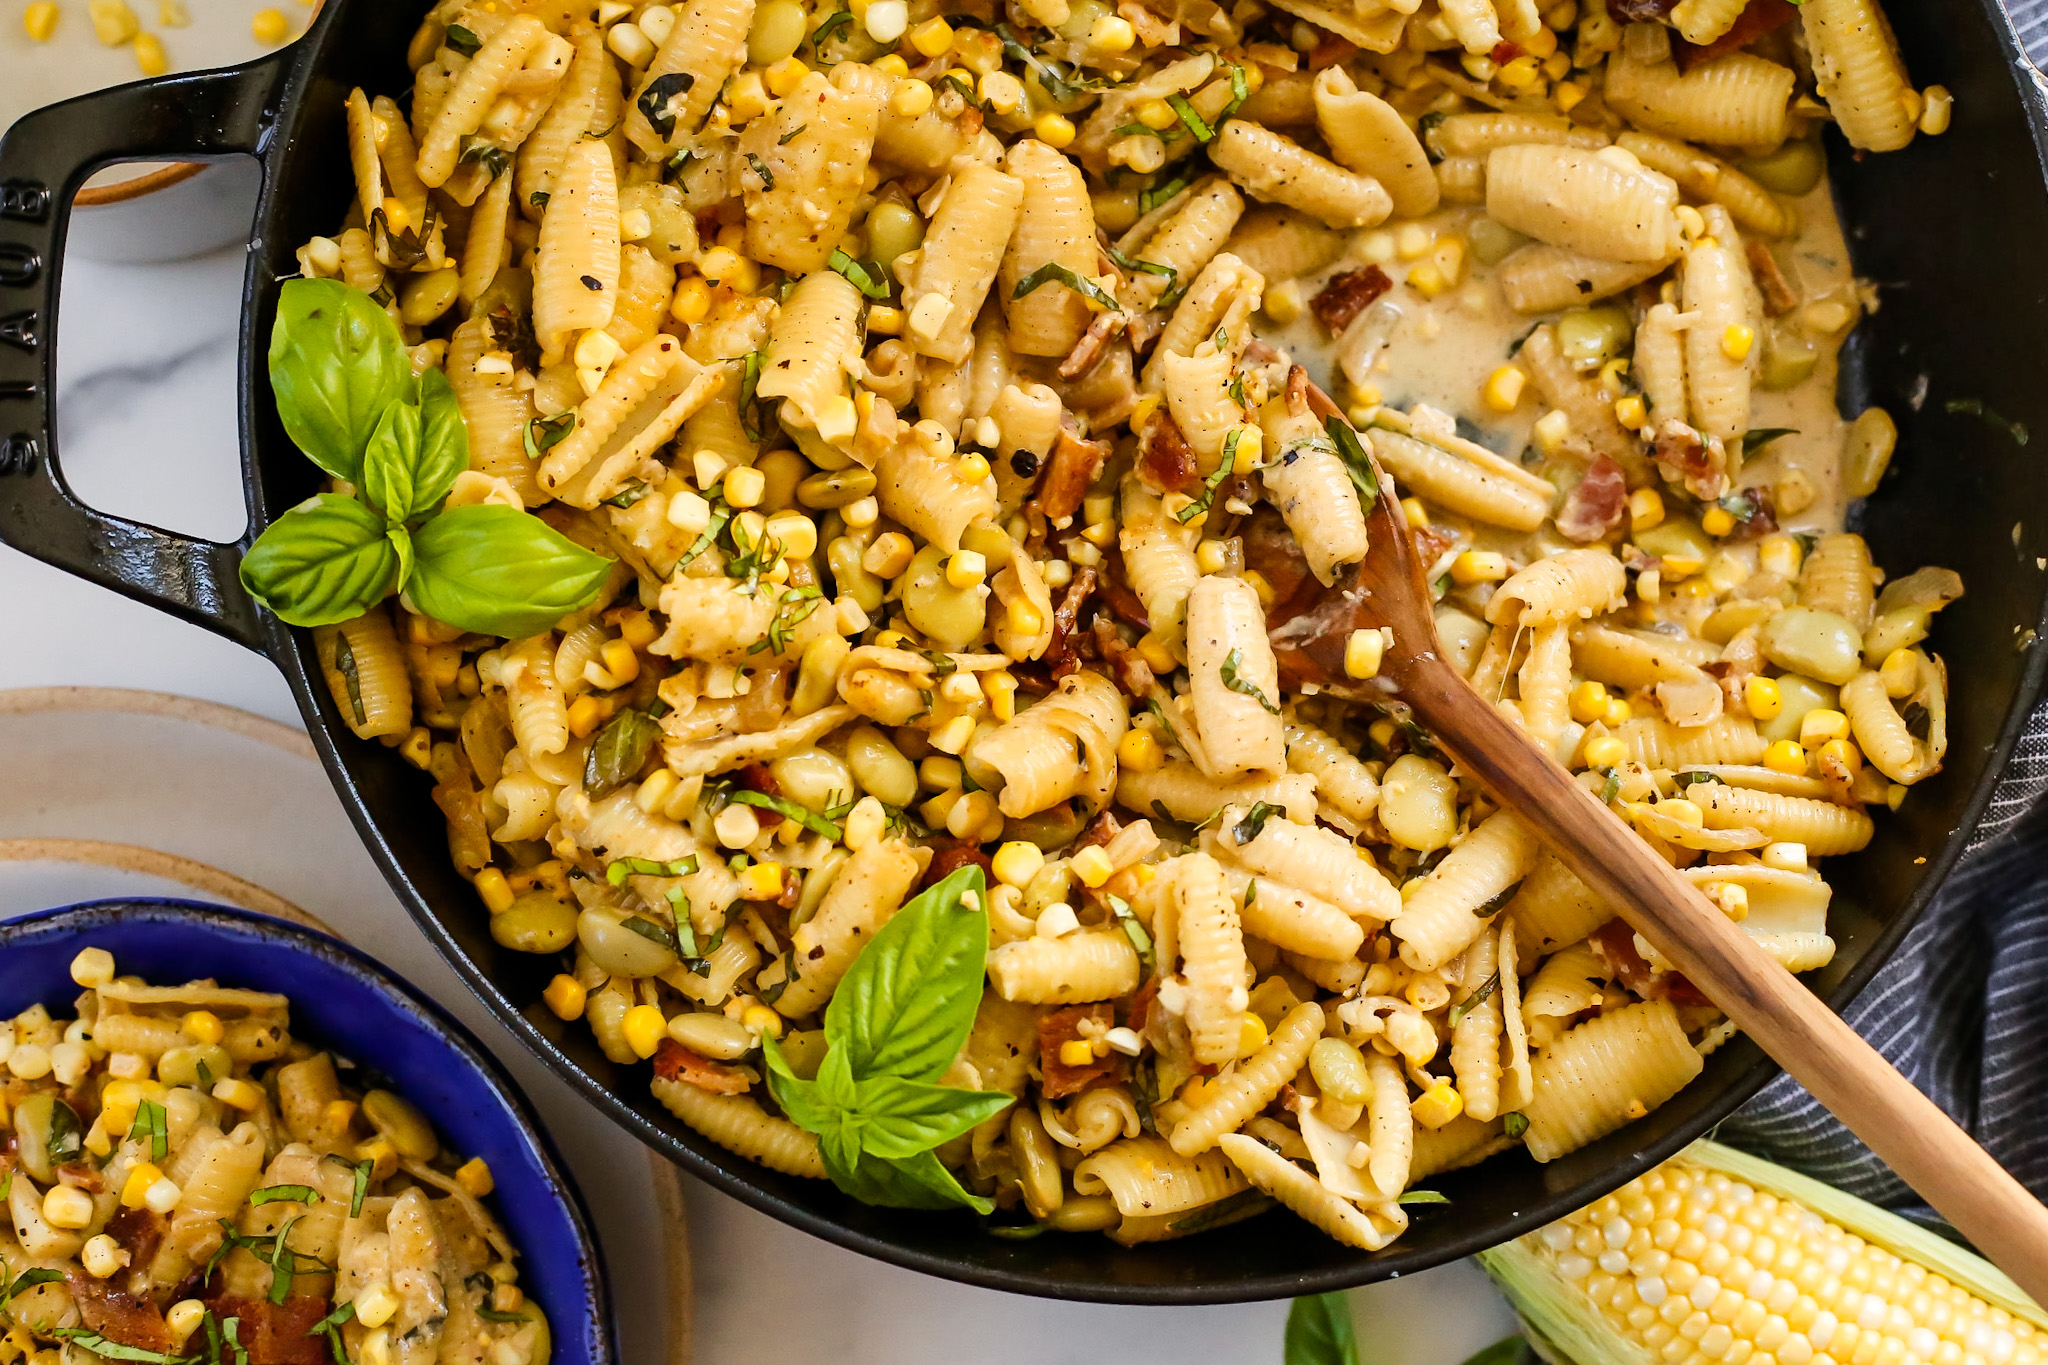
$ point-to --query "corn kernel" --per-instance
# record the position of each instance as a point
(761, 881)
(494, 890)
(1479, 566)
(1112, 33)
(136, 1187)
(1521, 73)
(1785, 855)
(1093, 866)
(1736, 339)
(1569, 95)
(1619, 712)
(1056, 921)
(376, 1305)
(1937, 109)
(644, 1027)
(1001, 690)
(183, 1319)
(1024, 618)
(1820, 725)
(1785, 756)
(1779, 553)
(102, 1256)
(932, 38)
(162, 1196)
(1605, 751)
(1157, 653)
(68, 1208)
(1763, 698)
(113, 23)
(40, 19)
(203, 1026)
(1413, 241)
(566, 996)
(1076, 1052)
(1645, 509)
(1629, 411)
(885, 321)
(1017, 862)
(1139, 751)
(475, 1177)
(1717, 521)
(1054, 130)
(1438, 1105)
(1426, 280)
(1248, 449)
(1194, 1092)
(1363, 651)
(339, 1114)
(784, 77)
(150, 60)
(952, 737)
(1417, 514)
(270, 27)
(1841, 755)
(1157, 114)
(746, 98)
(966, 569)
(92, 967)
(974, 466)
(744, 486)
(1503, 391)
(237, 1093)
(1588, 702)
(1479, 66)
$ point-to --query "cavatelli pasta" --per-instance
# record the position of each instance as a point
(738, 1124)
(1738, 100)
(813, 352)
(1857, 69)
(1211, 945)
(1308, 858)
(804, 167)
(1096, 964)
(1836, 577)
(1716, 290)
(1369, 136)
(1478, 132)
(1711, 179)
(1657, 743)
(1314, 493)
(1582, 201)
(1465, 478)
(1441, 919)
(1273, 168)
(1540, 278)
(1159, 558)
(1185, 242)
(1660, 365)
(1564, 587)
(1824, 827)
(683, 80)
(959, 260)
(1368, 1230)
(1148, 1178)
(1344, 784)
(1056, 230)
(576, 266)
(1061, 748)
(1231, 1099)
(1554, 907)
(366, 674)
(1178, 790)
(1605, 1072)
(867, 891)
(1233, 681)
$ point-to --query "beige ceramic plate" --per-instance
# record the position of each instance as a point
(106, 792)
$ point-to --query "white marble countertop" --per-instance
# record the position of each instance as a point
(146, 393)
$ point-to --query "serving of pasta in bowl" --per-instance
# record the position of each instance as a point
(801, 511)
(199, 1166)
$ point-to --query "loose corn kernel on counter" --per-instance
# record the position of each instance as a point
(183, 1175)
(939, 384)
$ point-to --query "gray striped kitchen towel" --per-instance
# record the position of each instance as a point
(1961, 1009)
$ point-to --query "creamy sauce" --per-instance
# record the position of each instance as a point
(1441, 352)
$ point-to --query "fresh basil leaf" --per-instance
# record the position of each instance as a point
(296, 1194)
(905, 1118)
(462, 40)
(542, 434)
(1514, 1125)
(1253, 824)
(1233, 678)
(906, 1005)
(871, 280)
(1493, 905)
(501, 571)
(1127, 920)
(444, 443)
(1052, 272)
(1508, 1351)
(27, 1280)
(1319, 1332)
(112, 1350)
(1357, 462)
(489, 1314)
(1195, 123)
(800, 1099)
(918, 1183)
(336, 363)
(657, 103)
(790, 810)
(619, 752)
(390, 462)
(1754, 440)
(1423, 1197)
(325, 561)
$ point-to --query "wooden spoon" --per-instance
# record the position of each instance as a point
(1905, 1128)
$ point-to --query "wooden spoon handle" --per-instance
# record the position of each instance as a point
(1908, 1131)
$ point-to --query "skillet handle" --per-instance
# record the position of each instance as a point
(44, 158)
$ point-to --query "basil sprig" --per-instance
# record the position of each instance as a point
(892, 1029)
(1319, 1332)
(345, 392)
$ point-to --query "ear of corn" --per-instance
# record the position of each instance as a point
(1720, 1256)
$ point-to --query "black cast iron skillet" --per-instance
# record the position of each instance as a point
(1952, 229)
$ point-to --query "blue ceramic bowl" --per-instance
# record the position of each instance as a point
(349, 1003)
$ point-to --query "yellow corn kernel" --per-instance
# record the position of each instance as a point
(1937, 109)
(1426, 280)
(784, 77)
(1479, 66)
(1568, 94)
(1588, 702)
(270, 27)
(93, 967)
(1363, 650)
(40, 19)
(910, 99)
(1551, 429)
(1248, 449)
(494, 890)
(1763, 697)
(1139, 751)
(1717, 521)
(644, 1027)
(1542, 45)
(885, 321)
(974, 466)
(237, 1093)
(1417, 514)
(761, 881)
(1259, 585)
(474, 1175)
(135, 1189)
(1000, 687)
(746, 98)
(1479, 566)
(183, 1318)
(692, 301)
(1629, 411)
(1157, 115)
(151, 60)
(586, 713)
(1605, 751)
(1645, 509)
(1157, 654)
(1024, 618)
(1841, 755)
(1785, 756)
(113, 23)
(1438, 1105)
(376, 1305)
(68, 1208)
(1736, 339)
(1251, 1035)
(339, 1114)
(102, 1257)
(1521, 73)
(1503, 391)
(892, 65)
(1093, 866)
(761, 1019)
(1076, 1052)
(1820, 725)
(966, 569)
(1112, 33)
(1900, 674)
(1619, 712)
(952, 737)
(203, 1026)
(1018, 861)
(932, 38)
(1780, 554)
(1054, 130)
(566, 996)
